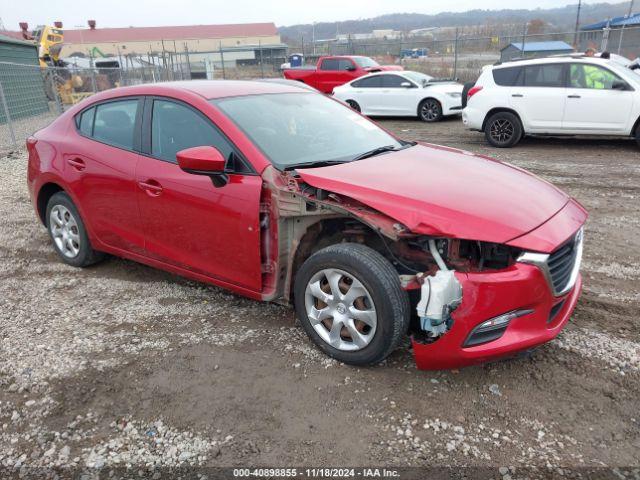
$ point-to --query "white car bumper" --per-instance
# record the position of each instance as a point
(472, 118)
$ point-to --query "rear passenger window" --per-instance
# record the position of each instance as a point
(85, 124)
(369, 82)
(550, 75)
(114, 122)
(507, 77)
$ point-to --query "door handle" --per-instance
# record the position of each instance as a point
(77, 163)
(574, 96)
(517, 95)
(151, 187)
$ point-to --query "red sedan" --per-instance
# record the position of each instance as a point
(282, 194)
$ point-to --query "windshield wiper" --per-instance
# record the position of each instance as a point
(379, 150)
(319, 163)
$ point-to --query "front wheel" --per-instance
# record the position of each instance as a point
(637, 135)
(350, 303)
(503, 130)
(430, 110)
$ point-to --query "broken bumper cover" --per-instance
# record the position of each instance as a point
(489, 295)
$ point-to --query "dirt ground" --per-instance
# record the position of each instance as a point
(120, 366)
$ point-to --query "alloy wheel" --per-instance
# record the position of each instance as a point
(430, 110)
(340, 309)
(501, 130)
(64, 230)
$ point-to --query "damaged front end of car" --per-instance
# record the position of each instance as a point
(466, 295)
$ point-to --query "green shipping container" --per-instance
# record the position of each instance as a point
(22, 79)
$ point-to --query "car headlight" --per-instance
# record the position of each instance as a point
(454, 94)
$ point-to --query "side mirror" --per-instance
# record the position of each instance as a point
(406, 85)
(619, 85)
(351, 69)
(204, 160)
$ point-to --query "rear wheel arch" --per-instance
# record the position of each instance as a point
(47, 191)
(635, 131)
(493, 111)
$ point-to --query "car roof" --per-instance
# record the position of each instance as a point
(554, 59)
(210, 89)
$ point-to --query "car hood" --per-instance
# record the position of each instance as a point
(441, 191)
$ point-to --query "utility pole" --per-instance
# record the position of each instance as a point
(313, 36)
(575, 33)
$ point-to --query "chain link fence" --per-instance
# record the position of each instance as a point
(30, 96)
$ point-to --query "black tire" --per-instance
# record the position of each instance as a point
(379, 278)
(353, 104)
(430, 110)
(637, 135)
(503, 130)
(86, 255)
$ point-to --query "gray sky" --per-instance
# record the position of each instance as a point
(124, 13)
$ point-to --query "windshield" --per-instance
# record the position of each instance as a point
(304, 128)
(417, 77)
(366, 62)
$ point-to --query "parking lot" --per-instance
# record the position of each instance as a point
(123, 365)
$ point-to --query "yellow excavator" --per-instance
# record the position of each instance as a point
(49, 40)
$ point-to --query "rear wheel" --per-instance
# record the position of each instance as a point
(68, 233)
(350, 303)
(503, 130)
(353, 104)
(637, 135)
(430, 110)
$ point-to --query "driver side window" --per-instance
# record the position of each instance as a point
(175, 127)
(592, 77)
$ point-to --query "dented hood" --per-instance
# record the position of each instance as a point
(442, 191)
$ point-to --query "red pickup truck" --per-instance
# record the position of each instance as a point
(332, 71)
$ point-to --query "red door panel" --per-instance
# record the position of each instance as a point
(103, 179)
(192, 224)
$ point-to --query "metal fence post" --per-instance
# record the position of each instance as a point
(93, 81)
(261, 63)
(224, 75)
(7, 115)
(455, 56)
(54, 91)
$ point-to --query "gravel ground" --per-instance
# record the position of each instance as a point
(122, 368)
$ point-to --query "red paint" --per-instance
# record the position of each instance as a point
(153, 212)
(327, 80)
(487, 295)
(447, 192)
(202, 159)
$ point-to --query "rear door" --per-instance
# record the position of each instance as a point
(188, 222)
(593, 105)
(367, 92)
(539, 97)
(101, 170)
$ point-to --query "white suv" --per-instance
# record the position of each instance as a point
(554, 96)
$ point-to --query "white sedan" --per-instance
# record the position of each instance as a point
(402, 94)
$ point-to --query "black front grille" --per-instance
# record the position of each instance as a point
(561, 263)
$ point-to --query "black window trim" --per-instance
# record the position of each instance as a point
(146, 133)
(137, 126)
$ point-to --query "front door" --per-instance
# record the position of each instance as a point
(593, 105)
(189, 222)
